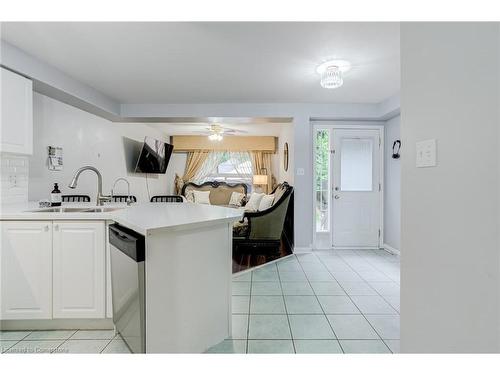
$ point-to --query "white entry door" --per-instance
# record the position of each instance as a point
(356, 188)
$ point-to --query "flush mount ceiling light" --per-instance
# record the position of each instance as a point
(331, 73)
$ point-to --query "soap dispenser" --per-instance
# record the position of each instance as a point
(55, 196)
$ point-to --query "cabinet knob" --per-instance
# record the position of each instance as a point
(56, 227)
(46, 228)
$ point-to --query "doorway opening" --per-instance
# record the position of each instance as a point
(348, 185)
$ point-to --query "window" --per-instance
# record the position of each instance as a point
(322, 174)
(356, 164)
(230, 167)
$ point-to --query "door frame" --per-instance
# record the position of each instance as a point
(348, 125)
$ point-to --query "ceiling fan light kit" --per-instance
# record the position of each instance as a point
(215, 137)
(216, 133)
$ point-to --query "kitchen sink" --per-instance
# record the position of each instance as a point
(102, 209)
(76, 209)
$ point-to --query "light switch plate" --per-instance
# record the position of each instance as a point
(426, 153)
(300, 171)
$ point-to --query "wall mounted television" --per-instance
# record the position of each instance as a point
(154, 156)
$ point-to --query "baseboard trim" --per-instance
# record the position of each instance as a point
(44, 324)
(391, 249)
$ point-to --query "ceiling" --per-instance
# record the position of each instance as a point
(245, 129)
(173, 62)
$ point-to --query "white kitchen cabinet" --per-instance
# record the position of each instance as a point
(16, 133)
(79, 268)
(26, 270)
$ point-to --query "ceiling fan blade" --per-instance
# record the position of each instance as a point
(233, 131)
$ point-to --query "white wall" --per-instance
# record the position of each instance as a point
(450, 213)
(392, 186)
(86, 140)
(14, 172)
(285, 136)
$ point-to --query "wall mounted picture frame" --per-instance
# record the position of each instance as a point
(285, 157)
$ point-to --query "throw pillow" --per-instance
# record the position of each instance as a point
(236, 199)
(266, 202)
(190, 196)
(254, 201)
(202, 197)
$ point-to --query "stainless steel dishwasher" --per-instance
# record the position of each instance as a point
(128, 286)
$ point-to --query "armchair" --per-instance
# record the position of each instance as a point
(261, 232)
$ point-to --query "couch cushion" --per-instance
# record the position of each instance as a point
(236, 198)
(190, 196)
(202, 197)
(254, 201)
(218, 196)
(266, 202)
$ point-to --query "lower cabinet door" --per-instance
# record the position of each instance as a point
(79, 269)
(26, 270)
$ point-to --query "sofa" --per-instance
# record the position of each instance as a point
(220, 192)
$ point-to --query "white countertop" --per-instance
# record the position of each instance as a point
(144, 217)
(140, 217)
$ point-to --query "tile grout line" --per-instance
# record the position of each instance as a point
(103, 349)
(17, 342)
(321, 306)
(249, 310)
(376, 268)
(10, 347)
(286, 311)
(357, 308)
(64, 341)
(331, 273)
(376, 291)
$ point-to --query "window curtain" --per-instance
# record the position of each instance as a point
(209, 167)
(260, 161)
(238, 162)
(195, 161)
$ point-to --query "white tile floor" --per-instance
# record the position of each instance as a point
(324, 302)
(62, 341)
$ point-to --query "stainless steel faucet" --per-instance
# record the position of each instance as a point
(129, 200)
(100, 198)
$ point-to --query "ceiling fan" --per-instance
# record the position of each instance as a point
(216, 132)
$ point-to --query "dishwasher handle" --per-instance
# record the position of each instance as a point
(128, 242)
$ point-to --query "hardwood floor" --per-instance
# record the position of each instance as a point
(242, 261)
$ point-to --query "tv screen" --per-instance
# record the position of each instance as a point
(154, 156)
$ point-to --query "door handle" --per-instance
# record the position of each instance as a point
(337, 196)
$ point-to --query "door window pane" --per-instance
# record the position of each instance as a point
(356, 164)
(322, 183)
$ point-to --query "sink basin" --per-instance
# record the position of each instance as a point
(76, 209)
(102, 209)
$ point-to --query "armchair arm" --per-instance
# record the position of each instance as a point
(267, 225)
